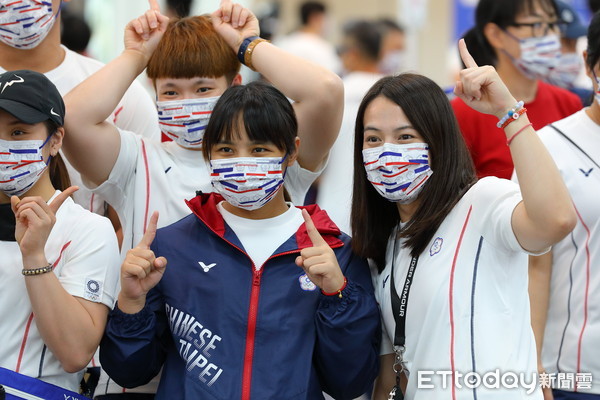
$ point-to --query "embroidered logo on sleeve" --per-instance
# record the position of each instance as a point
(306, 283)
(436, 246)
(93, 290)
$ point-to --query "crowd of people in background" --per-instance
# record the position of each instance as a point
(338, 227)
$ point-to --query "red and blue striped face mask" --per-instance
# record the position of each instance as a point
(247, 182)
(25, 23)
(398, 171)
(21, 165)
(185, 121)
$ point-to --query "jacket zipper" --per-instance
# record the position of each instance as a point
(252, 312)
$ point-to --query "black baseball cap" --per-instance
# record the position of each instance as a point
(30, 97)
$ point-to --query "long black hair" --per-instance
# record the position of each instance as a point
(502, 13)
(373, 218)
(59, 176)
(593, 46)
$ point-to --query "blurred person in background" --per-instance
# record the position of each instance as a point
(308, 41)
(392, 47)
(360, 54)
(75, 33)
(564, 283)
(521, 39)
(571, 63)
(178, 8)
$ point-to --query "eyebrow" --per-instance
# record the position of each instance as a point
(201, 81)
(253, 142)
(399, 129)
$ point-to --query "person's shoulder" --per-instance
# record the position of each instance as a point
(563, 95)
(71, 214)
(491, 186)
(79, 61)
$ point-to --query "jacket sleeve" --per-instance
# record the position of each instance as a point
(134, 346)
(348, 333)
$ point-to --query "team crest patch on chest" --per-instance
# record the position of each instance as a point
(306, 283)
(436, 246)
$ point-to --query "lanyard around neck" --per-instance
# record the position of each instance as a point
(400, 301)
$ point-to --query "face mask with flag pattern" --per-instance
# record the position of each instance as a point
(567, 70)
(398, 171)
(539, 56)
(247, 182)
(25, 23)
(21, 165)
(185, 120)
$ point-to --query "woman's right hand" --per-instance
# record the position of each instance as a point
(481, 87)
(143, 33)
(141, 271)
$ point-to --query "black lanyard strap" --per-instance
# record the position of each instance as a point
(400, 302)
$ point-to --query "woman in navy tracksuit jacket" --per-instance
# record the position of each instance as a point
(221, 328)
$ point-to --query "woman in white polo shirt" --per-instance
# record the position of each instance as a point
(450, 252)
(59, 262)
(564, 282)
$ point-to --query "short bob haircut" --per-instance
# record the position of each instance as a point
(192, 48)
(266, 113)
(429, 112)
(502, 13)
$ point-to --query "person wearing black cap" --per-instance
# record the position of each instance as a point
(570, 65)
(59, 263)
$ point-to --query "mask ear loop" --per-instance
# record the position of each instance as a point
(281, 163)
(44, 144)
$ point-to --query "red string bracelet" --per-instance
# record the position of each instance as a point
(508, 141)
(339, 291)
(514, 117)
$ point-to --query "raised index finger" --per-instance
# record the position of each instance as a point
(465, 55)
(154, 5)
(62, 196)
(313, 233)
(150, 233)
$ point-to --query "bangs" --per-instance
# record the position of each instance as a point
(192, 48)
(265, 114)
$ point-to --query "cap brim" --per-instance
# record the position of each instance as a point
(22, 112)
(575, 32)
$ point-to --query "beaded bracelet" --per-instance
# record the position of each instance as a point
(515, 117)
(339, 291)
(511, 113)
(37, 271)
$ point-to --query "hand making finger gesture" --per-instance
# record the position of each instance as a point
(35, 219)
(234, 23)
(141, 271)
(319, 261)
(143, 33)
(481, 88)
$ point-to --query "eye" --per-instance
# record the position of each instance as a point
(204, 89)
(372, 139)
(224, 149)
(169, 93)
(17, 132)
(405, 136)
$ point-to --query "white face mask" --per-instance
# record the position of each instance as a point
(185, 120)
(398, 171)
(247, 182)
(567, 70)
(21, 165)
(24, 24)
(539, 56)
(392, 62)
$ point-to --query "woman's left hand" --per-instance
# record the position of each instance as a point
(319, 262)
(35, 219)
(235, 23)
(481, 87)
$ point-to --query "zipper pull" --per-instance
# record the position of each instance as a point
(256, 279)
